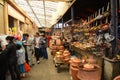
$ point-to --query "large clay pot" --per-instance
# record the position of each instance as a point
(75, 62)
(74, 72)
(74, 67)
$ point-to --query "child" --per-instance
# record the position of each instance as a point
(21, 59)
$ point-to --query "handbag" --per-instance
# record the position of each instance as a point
(26, 67)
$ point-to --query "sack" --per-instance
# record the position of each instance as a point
(27, 67)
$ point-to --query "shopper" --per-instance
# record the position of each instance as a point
(3, 62)
(24, 42)
(21, 59)
(37, 47)
(29, 49)
(43, 46)
(12, 59)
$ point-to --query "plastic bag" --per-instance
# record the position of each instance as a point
(27, 67)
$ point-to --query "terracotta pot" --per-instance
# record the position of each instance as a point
(61, 47)
(66, 52)
(75, 62)
(58, 53)
(74, 72)
(61, 51)
(67, 55)
(67, 60)
(59, 57)
(105, 27)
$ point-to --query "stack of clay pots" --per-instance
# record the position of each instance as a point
(67, 56)
(74, 63)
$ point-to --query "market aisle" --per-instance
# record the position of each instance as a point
(47, 71)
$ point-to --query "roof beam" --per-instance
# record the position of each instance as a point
(33, 12)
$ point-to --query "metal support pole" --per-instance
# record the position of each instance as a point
(72, 15)
(114, 26)
(45, 13)
(62, 23)
(33, 12)
(62, 29)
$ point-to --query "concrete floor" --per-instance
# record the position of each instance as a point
(46, 71)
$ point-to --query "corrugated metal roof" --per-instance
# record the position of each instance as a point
(35, 9)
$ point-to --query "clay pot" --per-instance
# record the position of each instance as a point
(74, 72)
(61, 47)
(91, 39)
(61, 51)
(75, 62)
(59, 57)
(105, 27)
(67, 60)
(66, 52)
(67, 55)
(58, 53)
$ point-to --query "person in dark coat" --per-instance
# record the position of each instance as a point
(3, 63)
(12, 59)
